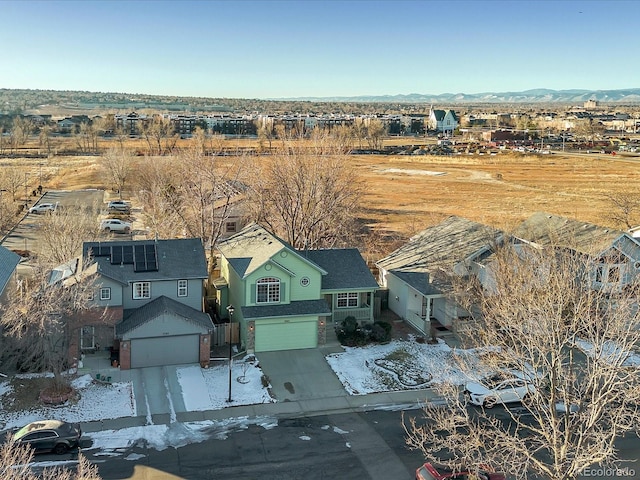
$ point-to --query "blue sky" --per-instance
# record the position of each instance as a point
(297, 48)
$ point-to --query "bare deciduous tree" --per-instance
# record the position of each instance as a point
(190, 193)
(531, 308)
(118, 163)
(625, 208)
(36, 314)
(12, 178)
(62, 233)
(16, 460)
(308, 197)
(159, 134)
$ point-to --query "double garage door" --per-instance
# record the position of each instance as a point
(157, 351)
(291, 334)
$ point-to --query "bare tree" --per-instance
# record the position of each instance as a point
(589, 129)
(190, 193)
(20, 130)
(532, 307)
(16, 460)
(625, 208)
(12, 178)
(86, 138)
(62, 233)
(310, 198)
(117, 164)
(376, 131)
(159, 134)
(36, 315)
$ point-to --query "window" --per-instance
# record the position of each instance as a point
(346, 300)
(182, 288)
(105, 293)
(268, 290)
(141, 290)
(230, 227)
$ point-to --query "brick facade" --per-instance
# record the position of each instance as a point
(104, 322)
(205, 350)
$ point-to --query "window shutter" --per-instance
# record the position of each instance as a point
(253, 292)
(283, 291)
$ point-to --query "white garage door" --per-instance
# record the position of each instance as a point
(157, 351)
(286, 335)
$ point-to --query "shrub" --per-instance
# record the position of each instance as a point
(350, 325)
(381, 332)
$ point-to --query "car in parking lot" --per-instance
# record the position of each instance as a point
(44, 208)
(502, 387)
(115, 225)
(48, 436)
(119, 206)
(429, 471)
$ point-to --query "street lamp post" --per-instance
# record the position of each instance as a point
(230, 309)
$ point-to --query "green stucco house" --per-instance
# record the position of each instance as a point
(285, 299)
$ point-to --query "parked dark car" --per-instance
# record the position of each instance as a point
(48, 436)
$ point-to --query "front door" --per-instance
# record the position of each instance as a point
(87, 338)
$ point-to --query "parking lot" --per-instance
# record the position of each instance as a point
(24, 236)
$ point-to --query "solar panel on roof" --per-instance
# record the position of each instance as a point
(116, 255)
(145, 258)
(127, 254)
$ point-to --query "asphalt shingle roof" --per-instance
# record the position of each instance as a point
(252, 247)
(293, 309)
(346, 269)
(552, 230)
(435, 251)
(180, 258)
(161, 305)
(8, 262)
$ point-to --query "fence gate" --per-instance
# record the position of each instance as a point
(222, 332)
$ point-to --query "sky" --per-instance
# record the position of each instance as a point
(271, 49)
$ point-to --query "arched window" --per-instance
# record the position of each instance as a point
(268, 290)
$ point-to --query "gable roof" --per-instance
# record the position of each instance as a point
(8, 262)
(161, 305)
(437, 250)
(552, 230)
(179, 258)
(252, 247)
(346, 269)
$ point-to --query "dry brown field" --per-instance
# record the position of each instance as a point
(404, 194)
(499, 190)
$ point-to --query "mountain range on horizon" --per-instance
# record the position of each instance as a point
(35, 100)
(538, 95)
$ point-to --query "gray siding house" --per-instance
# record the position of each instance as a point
(152, 293)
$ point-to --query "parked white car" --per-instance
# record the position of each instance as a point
(503, 387)
(43, 208)
(115, 225)
(119, 206)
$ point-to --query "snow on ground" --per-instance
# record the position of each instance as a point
(96, 402)
(202, 389)
(246, 387)
(399, 365)
(611, 351)
(110, 443)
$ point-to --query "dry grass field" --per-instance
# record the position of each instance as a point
(407, 193)
(404, 194)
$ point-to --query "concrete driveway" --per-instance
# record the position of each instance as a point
(300, 375)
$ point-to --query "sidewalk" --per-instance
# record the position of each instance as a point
(401, 400)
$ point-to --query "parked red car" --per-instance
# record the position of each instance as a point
(430, 472)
